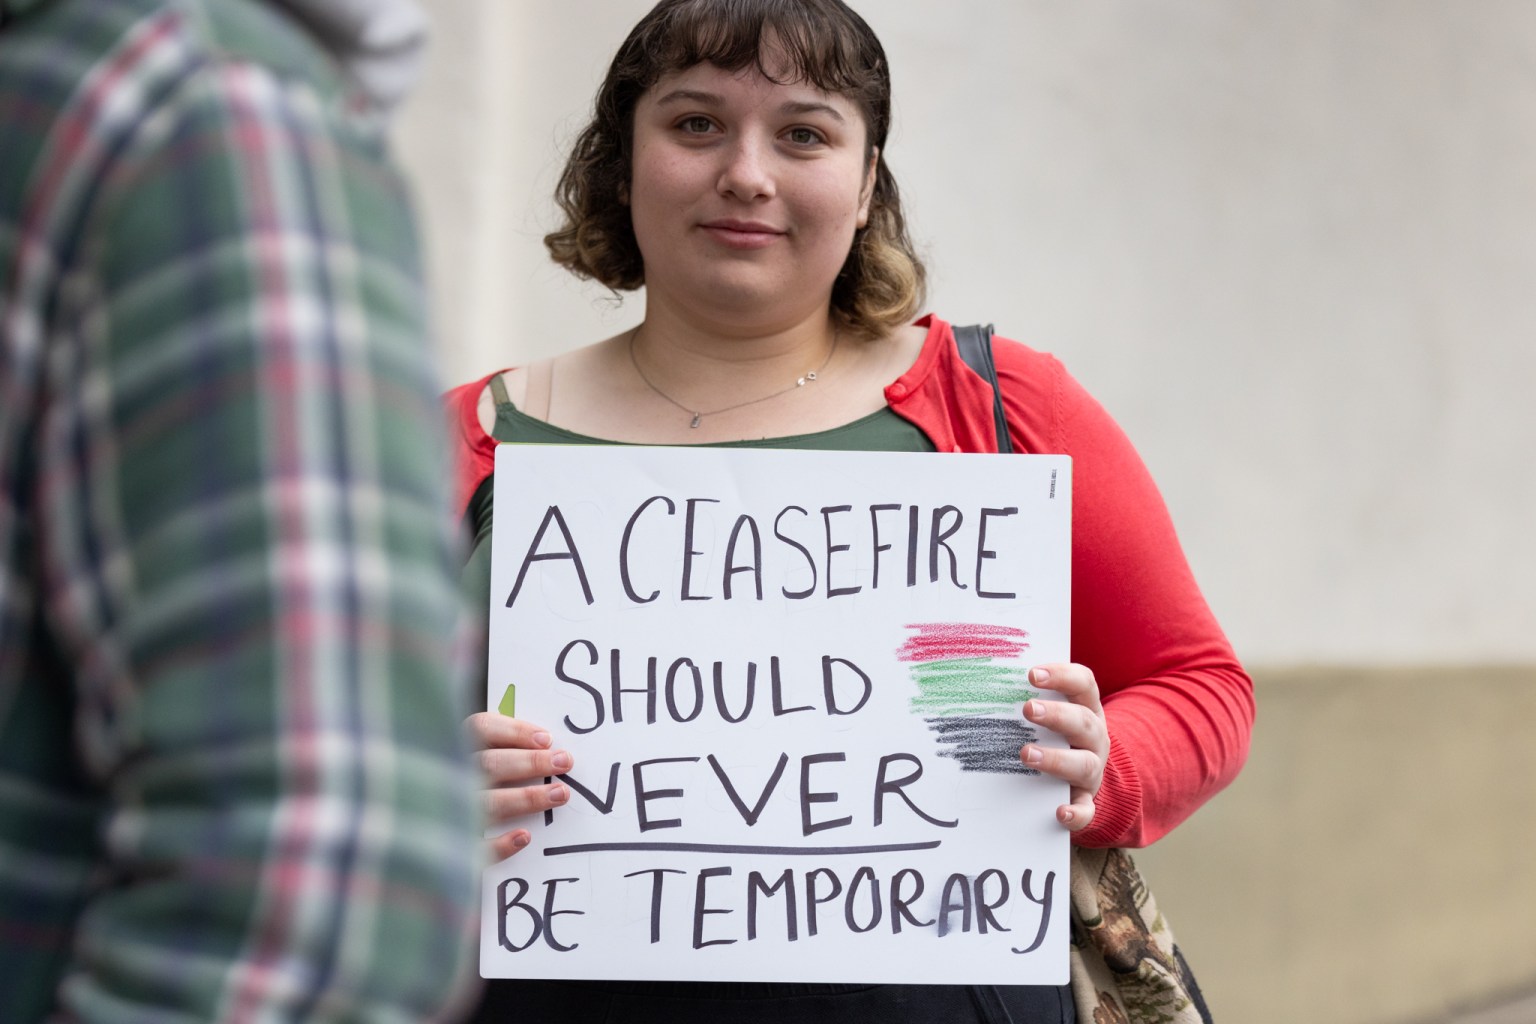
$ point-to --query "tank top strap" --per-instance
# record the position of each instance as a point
(499, 391)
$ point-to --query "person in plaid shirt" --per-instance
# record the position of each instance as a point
(233, 784)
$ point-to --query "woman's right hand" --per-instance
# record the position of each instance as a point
(514, 751)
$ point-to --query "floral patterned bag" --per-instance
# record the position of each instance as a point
(1126, 967)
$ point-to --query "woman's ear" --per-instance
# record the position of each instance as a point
(867, 196)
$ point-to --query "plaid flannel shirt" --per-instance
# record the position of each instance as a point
(232, 780)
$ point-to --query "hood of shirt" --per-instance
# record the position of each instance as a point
(379, 44)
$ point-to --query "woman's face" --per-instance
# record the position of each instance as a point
(745, 194)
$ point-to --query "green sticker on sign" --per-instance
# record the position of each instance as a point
(508, 705)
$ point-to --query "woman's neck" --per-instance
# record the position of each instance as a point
(675, 380)
(707, 365)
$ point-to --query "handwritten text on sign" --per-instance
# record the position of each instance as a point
(792, 683)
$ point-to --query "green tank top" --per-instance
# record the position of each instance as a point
(880, 431)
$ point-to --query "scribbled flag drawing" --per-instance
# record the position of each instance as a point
(971, 683)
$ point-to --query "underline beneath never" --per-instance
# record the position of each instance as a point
(778, 851)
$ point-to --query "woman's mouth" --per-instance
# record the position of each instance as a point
(742, 234)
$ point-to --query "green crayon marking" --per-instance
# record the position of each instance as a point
(508, 705)
(969, 686)
(978, 675)
(942, 708)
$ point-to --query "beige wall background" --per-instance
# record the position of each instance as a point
(1292, 247)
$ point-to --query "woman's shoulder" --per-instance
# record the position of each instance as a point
(473, 405)
(1018, 364)
(469, 392)
(529, 387)
(941, 336)
(474, 448)
(1039, 395)
(466, 402)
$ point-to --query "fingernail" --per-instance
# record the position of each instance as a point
(1033, 709)
(1039, 676)
(1067, 816)
(520, 840)
(561, 760)
(558, 794)
(1032, 755)
(541, 739)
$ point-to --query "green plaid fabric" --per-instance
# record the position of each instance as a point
(232, 781)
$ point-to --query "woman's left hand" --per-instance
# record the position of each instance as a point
(1079, 719)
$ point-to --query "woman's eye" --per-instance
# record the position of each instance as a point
(804, 136)
(696, 125)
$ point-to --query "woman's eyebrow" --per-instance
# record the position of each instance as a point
(710, 99)
(690, 96)
(804, 107)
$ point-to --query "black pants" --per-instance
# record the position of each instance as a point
(579, 1002)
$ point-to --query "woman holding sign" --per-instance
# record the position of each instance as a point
(735, 167)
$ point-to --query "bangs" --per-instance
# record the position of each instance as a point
(821, 43)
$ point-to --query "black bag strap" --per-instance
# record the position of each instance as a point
(975, 344)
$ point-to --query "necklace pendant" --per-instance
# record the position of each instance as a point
(801, 382)
(809, 376)
(695, 423)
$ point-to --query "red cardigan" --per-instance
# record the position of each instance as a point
(1179, 706)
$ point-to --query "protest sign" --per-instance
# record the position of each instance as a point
(792, 684)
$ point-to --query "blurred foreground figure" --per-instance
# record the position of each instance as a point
(232, 782)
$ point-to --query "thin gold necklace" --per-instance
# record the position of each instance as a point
(809, 378)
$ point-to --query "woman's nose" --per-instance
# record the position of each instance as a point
(747, 173)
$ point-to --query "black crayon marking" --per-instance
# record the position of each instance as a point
(984, 744)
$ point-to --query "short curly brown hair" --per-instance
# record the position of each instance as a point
(822, 42)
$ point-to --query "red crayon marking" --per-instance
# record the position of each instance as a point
(941, 641)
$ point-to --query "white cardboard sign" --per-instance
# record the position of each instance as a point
(792, 684)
